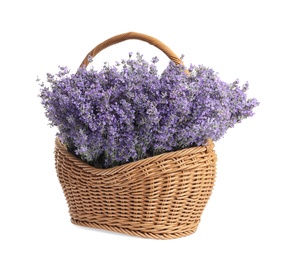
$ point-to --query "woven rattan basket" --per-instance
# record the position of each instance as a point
(161, 197)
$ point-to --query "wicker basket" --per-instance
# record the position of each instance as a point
(161, 197)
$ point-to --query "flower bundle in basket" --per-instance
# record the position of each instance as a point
(134, 152)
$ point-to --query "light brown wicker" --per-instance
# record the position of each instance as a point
(161, 197)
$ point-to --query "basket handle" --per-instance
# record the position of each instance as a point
(127, 36)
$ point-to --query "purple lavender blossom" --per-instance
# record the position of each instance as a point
(128, 112)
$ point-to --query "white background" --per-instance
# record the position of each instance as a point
(249, 213)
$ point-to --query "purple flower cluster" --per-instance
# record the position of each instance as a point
(127, 112)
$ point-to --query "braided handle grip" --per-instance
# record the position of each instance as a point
(127, 36)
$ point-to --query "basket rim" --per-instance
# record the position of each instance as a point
(128, 166)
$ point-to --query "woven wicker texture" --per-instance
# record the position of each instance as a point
(161, 197)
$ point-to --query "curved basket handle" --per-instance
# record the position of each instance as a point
(127, 36)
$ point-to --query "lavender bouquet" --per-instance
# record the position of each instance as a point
(127, 112)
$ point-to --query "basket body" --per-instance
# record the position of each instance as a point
(161, 197)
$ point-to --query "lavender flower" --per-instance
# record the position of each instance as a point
(128, 112)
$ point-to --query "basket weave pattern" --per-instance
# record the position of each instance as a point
(161, 197)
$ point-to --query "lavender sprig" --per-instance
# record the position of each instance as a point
(128, 112)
